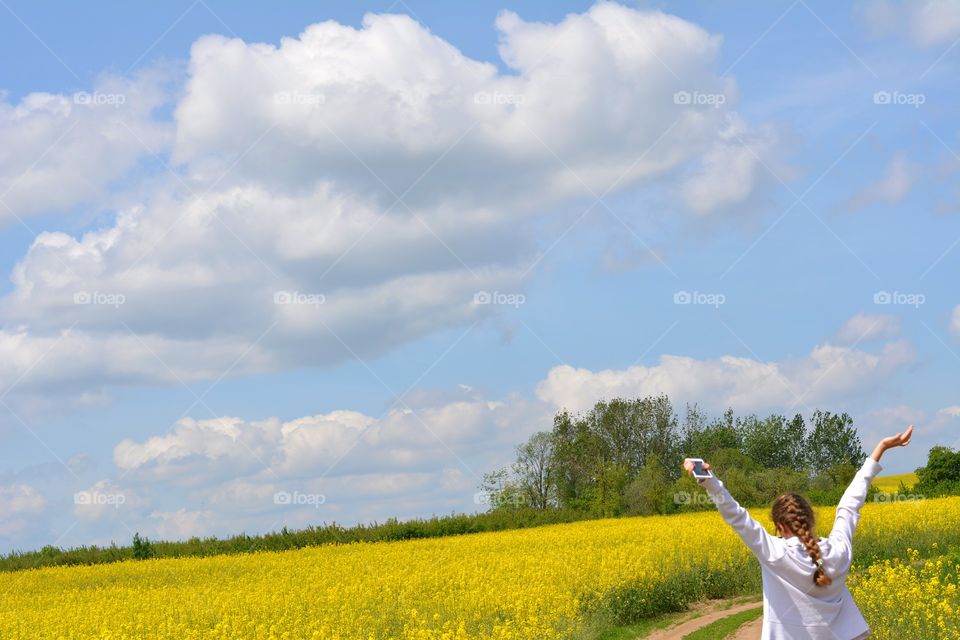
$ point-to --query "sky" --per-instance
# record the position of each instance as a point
(281, 264)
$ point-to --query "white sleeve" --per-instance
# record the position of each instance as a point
(764, 546)
(848, 509)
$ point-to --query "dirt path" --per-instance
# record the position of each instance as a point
(677, 632)
(749, 631)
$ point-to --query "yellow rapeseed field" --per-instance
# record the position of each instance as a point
(892, 483)
(527, 584)
(910, 599)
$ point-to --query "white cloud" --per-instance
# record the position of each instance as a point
(428, 455)
(892, 188)
(181, 524)
(335, 444)
(925, 22)
(953, 411)
(290, 159)
(864, 327)
(585, 99)
(955, 322)
(745, 384)
(60, 150)
(733, 168)
(18, 502)
(16, 499)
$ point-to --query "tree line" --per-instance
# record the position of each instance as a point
(623, 457)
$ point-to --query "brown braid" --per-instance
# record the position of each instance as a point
(793, 512)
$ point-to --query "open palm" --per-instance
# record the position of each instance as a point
(899, 440)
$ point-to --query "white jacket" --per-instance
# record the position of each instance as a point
(794, 608)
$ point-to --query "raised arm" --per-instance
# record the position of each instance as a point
(764, 546)
(848, 509)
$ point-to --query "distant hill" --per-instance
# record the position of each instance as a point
(892, 483)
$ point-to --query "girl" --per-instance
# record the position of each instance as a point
(805, 596)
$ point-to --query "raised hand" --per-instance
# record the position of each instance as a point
(900, 440)
(688, 466)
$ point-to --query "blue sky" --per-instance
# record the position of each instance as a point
(356, 162)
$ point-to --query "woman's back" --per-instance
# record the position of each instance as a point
(795, 607)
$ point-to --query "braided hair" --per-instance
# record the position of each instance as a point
(793, 512)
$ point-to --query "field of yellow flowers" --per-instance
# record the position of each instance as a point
(542, 583)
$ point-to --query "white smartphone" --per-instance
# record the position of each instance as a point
(698, 471)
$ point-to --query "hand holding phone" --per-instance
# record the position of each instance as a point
(697, 468)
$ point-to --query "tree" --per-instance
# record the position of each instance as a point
(774, 442)
(942, 473)
(834, 441)
(142, 548)
(532, 471)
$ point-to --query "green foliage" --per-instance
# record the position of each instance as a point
(833, 441)
(142, 548)
(438, 526)
(941, 476)
(651, 492)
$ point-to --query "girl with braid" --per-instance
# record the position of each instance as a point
(805, 596)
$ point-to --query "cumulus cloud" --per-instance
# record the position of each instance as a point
(924, 22)
(864, 327)
(180, 524)
(61, 150)
(340, 443)
(892, 188)
(589, 101)
(427, 454)
(20, 498)
(827, 372)
(18, 502)
(424, 456)
(333, 193)
(733, 168)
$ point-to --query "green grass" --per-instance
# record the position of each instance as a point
(725, 626)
